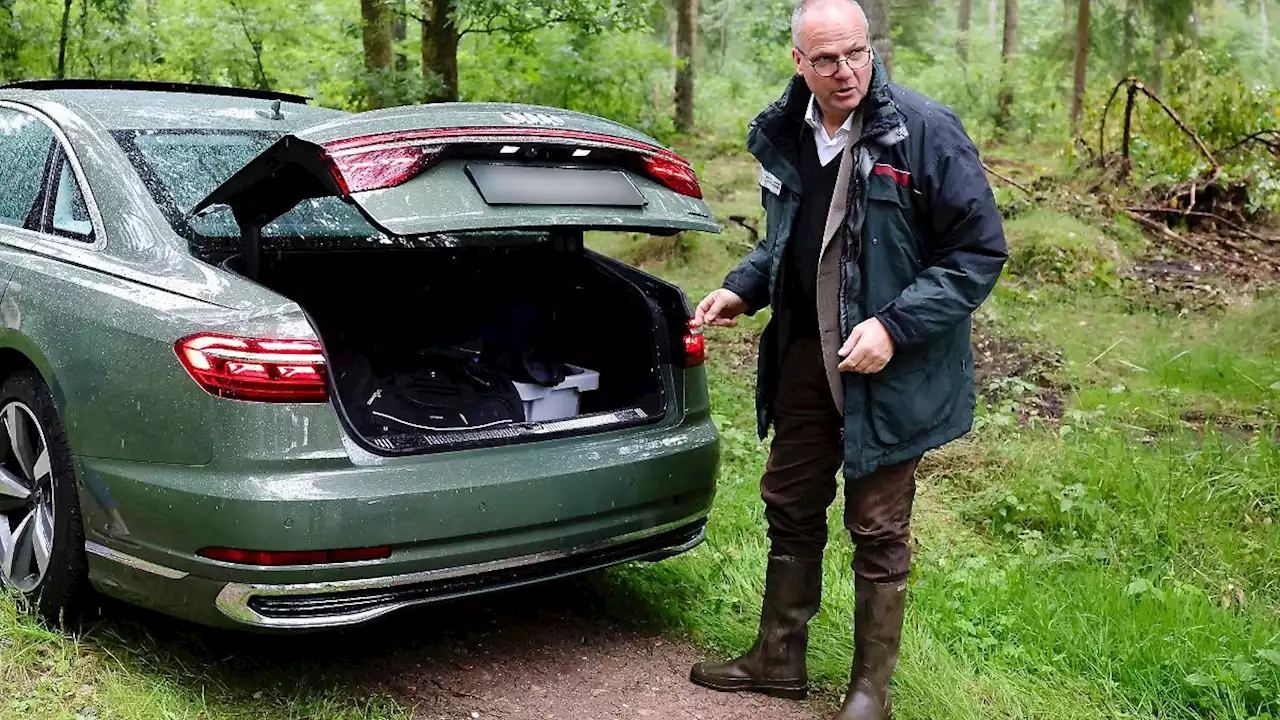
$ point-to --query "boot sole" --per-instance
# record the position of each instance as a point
(788, 692)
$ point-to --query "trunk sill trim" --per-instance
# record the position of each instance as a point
(107, 553)
(233, 600)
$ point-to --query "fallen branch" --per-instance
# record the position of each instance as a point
(1102, 126)
(1206, 215)
(1243, 250)
(1261, 138)
(1163, 230)
(1153, 225)
(750, 227)
(1181, 125)
(1012, 182)
(1185, 244)
(1136, 86)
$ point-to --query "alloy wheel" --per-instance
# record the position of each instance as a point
(27, 506)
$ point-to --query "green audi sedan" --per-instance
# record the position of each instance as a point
(270, 365)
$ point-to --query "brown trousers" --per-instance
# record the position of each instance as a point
(799, 483)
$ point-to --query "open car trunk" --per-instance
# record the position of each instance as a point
(438, 252)
(452, 348)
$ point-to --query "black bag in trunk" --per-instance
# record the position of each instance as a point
(441, 392)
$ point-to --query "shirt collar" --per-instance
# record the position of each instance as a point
(813, 116)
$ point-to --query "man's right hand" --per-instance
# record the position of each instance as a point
(719, 309)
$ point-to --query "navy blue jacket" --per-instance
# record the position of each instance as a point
(924, 246)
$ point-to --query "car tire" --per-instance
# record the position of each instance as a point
(42, 557)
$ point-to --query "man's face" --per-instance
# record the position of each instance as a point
(828, 32)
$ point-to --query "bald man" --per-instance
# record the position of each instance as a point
(882, 239)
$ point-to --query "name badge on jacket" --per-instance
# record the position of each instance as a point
(770, 182)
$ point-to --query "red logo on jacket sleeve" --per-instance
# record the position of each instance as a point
(902, 177)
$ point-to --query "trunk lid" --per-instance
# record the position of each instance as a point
(456, 167)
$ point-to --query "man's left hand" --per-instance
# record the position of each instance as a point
(868, 349)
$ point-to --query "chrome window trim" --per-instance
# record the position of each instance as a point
(233, 600)
(91, 202)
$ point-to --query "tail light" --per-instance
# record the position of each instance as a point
(294, 557)
(673, 172)
(377, 168)
(695, 348)
(256, 369)
(385, 160)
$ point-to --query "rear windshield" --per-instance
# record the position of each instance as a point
(180, 168)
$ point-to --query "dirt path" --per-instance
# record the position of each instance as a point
(552, 653)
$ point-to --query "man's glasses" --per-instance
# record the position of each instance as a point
(826, 66)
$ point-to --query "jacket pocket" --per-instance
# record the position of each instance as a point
(914, 394)
(892, 256)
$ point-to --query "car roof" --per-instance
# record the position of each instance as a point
(157, 105)
(142, 106)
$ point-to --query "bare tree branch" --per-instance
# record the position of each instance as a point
(489, 27)
(1102, 126)
(408, 15)
(255, 44)
(1261, 138)
(1012, 182)
(1181, 125)
(1207, 215)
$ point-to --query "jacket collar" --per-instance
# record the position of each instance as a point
(773, 136)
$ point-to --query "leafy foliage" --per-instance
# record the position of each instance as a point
(518, 20)
(614, 75)
(1211, 95)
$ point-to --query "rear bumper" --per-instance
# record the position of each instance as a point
(457, 524)
(321, 605)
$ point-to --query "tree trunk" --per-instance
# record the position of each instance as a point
(724, 33)
(84, 44)
(400, 33)
(377, 48)
(962, 22)
(1158, 54)
(440, 50)
(1009, 52)
(62, 41)
(1130, 33)
(686, 48)
(878, 17)
(993, 17)
(673, 23)
(1266, 29)
(153, 32)
(1082, 64)
(10, 44)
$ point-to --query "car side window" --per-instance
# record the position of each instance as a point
(25, 142)
(68, 214)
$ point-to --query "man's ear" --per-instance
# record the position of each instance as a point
(797, 58)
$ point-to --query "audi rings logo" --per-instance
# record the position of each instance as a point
(528, 118)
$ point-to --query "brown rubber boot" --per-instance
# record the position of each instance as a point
(877, 636)
(775, 665)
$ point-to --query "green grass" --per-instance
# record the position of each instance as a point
(1083, 573)
(1122, 562)
(137, 666)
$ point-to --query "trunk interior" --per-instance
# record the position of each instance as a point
(444, 348)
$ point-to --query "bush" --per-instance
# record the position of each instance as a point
(1052, 248)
